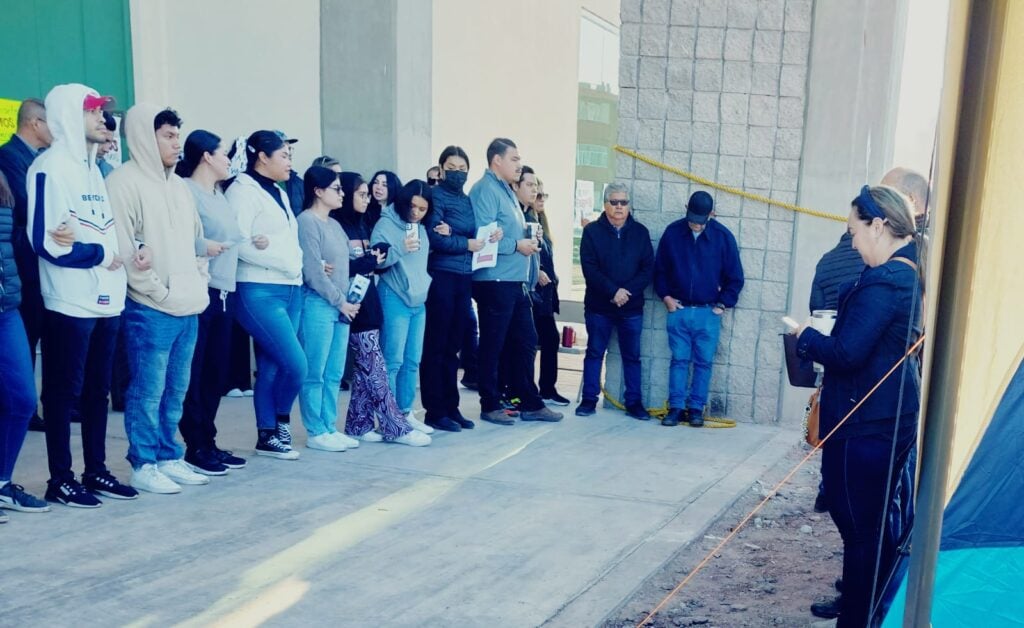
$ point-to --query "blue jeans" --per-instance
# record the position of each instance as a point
(18, 392)
(160, 350)
(692, 337)
(325, 339)
(271, 314)
(402, 344)
(599, 332)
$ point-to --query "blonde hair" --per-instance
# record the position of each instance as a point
(542, 217)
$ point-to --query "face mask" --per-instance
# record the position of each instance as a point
(454, 180)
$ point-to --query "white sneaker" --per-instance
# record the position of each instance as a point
(324, 442)
(248, 392)
(418, 425)
(414, 439)
(181, 472)
(150, 479)
(235, 393)
(371, 437)
(345, 441)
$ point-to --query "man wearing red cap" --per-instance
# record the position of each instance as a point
(698, 275)
(83, 285)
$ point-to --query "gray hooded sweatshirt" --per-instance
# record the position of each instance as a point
(407, 272)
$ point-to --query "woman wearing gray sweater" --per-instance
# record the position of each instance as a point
(403, 289)
(322, 333)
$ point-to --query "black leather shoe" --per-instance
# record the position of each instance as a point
(36, 424)
(672, 418)
(445, 423)
(828, 609)
(695, 417)
(463, 422)
(637, 411)
(587, 407)
(819, 503)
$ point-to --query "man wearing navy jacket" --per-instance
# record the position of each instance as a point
(698, 275)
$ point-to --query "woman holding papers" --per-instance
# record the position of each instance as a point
(448, 300)
(205, 167)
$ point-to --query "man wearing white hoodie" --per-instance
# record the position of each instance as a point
(83, 289)
(155, 210)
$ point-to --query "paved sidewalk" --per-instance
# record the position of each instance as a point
(500, 526)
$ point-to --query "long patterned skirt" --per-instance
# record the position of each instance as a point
(371, 396)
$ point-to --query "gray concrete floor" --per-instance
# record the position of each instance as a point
(533, 524)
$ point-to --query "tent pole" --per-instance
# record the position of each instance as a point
(973, 84)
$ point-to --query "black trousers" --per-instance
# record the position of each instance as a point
(506, 316)
(76, 375)
(240, 369)
(469, 353)
(211, 363)
(547, 336)
(448, 305)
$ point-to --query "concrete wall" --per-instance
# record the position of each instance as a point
(850, 139)
(509, 69)
(719, 89)
(232, 66)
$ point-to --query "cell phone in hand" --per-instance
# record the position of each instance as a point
(792, 324)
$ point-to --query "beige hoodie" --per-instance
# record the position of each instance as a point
(153, 206)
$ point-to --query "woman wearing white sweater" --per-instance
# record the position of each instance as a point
(269, 287)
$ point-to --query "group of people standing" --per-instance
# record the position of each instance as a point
(189, 237)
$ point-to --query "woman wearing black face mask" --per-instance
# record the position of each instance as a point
(451, 228)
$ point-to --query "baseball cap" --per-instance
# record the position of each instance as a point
(699, 207)
(284, 137)
(93, 101)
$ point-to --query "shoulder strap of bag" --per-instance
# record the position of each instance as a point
(904, 260)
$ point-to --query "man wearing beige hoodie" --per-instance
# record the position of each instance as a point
(154, 209)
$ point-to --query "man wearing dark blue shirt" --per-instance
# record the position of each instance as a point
(698, 275)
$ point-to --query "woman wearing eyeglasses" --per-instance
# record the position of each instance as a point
(323, 335)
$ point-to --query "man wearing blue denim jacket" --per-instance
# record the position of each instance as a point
(503, 301)
(698, 275)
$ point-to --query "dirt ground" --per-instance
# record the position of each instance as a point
(768, 575)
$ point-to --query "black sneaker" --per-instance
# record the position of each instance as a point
(14, 497)
(270, 445)
(637, 411)
(510, 405)
(554, 398)
(587, 407)
(229, 459)
(71, 493)
(284, 432)
(107, 485)
(206, 461)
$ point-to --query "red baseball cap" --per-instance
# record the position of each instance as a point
(94, 101)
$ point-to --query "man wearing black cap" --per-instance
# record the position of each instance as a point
(698, 275)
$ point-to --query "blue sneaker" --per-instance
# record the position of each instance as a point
(14, 497)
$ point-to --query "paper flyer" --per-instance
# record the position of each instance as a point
(486, 257)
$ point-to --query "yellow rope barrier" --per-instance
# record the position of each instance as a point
(660, 413)
(725, 188)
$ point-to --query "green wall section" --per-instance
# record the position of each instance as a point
(48, 42)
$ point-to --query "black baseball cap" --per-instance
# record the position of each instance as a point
(699, 207)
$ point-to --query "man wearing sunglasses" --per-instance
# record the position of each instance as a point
(698, 275)
(617, 260)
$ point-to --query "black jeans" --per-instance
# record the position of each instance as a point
(469, 353)
(856, 476)
(32, 315)
(549, 339)
(76, 374)
(506, 316)
(448, 303)
(211, 363)
(240, 369)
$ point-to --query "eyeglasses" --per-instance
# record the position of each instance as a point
(336, 188)
(618, 202)
(542, 196)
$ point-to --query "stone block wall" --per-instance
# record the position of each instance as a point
(718, 88)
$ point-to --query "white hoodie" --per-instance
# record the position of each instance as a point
(65, 186)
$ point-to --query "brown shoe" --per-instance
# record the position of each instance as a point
(543, 414)
(498, 417)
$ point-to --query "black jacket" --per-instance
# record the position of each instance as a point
(839, 266)
(698, 271)
(450, 253)
(15, 159)
(872, 332)
(10, 284)
(359, 227)
(616, 259)
(545, 298)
